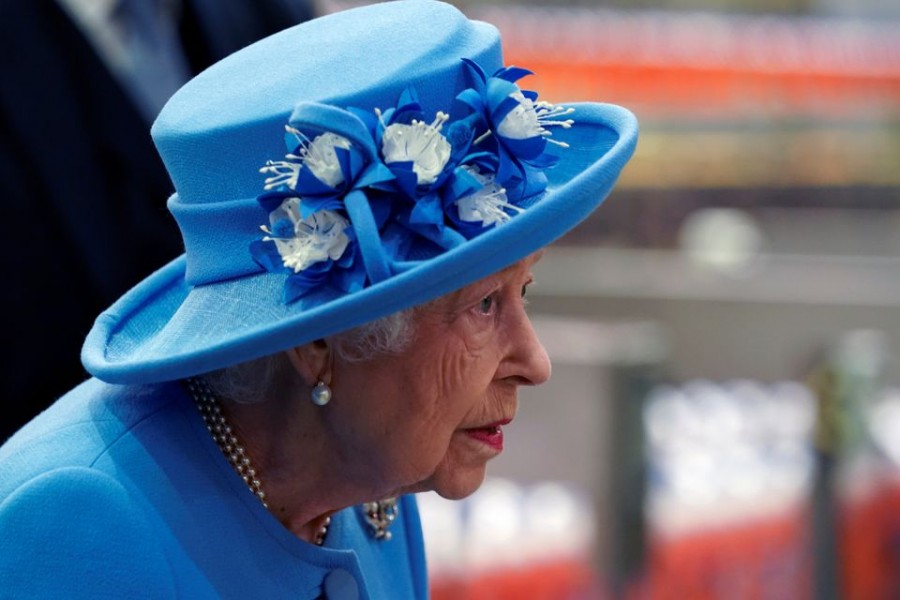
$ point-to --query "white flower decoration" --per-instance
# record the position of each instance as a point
(419, 143)
(530, 119)
(487, 204)
(318, 156)
(317, 238)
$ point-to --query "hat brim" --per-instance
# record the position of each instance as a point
(164, 329)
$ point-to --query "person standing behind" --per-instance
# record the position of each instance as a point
(80, 180)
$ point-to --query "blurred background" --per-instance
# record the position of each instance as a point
(724, 415)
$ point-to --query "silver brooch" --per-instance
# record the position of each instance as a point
(379, 516)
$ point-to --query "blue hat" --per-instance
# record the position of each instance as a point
(342, 170)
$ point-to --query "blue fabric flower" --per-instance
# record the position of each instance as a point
(474, 201)
(421, 158)
(516, 125)
(361, 192)
(309, 236)
(317, 249)
(321, 167)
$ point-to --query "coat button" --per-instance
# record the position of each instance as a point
(341, 585)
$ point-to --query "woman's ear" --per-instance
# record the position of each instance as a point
(312, 361)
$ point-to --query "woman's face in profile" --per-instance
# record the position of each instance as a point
(430, 418)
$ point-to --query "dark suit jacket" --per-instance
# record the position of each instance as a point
(83, 190)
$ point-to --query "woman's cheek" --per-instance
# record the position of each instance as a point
(477, 333)
(463, 367)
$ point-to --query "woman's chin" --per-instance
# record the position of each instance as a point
(460, 485)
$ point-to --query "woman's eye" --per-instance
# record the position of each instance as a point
(486, 304)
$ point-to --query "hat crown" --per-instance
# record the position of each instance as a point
(233, 296)
(219, 129)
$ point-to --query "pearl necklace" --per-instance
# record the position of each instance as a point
(234, 452)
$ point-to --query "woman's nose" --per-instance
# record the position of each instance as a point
(528, 360)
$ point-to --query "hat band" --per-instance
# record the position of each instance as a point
(216, 236)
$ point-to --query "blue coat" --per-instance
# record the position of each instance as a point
(120, 492)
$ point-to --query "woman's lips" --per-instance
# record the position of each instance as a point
(491, 435)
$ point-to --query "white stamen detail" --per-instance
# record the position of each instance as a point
(530, 119)
(487, 204)
(482, 137)
(317, 155)
(317, 238)
(284, 172)
(421, 144)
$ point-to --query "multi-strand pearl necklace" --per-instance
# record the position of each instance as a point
(222, 433)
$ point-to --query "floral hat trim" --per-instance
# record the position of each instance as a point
(360, 192)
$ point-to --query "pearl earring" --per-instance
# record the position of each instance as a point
(321, 394)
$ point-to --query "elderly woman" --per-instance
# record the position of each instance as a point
(347, 325)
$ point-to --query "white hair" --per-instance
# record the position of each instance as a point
(388, 335)
(253, 380)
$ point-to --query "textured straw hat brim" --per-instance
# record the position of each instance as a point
(166, 329)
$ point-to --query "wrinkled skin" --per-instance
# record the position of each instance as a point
(405, 417)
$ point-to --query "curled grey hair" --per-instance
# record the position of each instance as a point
(252, 381)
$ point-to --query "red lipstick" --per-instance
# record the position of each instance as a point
(491, 435)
